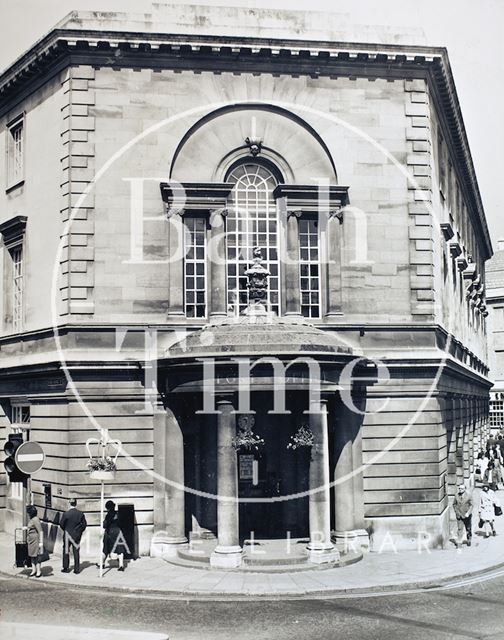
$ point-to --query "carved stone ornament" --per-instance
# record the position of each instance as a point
(257, 276)
(254, 144)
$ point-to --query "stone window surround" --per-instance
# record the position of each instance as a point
(13, 233)
(294, 201)
(15, 152)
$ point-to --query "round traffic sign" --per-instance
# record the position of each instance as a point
(29, 457)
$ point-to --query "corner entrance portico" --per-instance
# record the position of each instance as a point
(241, 416)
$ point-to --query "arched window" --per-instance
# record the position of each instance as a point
(251, 222)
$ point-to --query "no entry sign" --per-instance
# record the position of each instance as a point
(29, 457)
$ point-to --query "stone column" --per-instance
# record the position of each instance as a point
(477, 434)
(320, 547)
(451, 436)
(227, 553)
(348, 487)
(465, 444)
(176, 266)
(333, 272)
(169, 505)
(217, 264)
(459, 453)
(472, 424)
(292, 283)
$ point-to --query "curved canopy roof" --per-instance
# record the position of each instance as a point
(260, 335)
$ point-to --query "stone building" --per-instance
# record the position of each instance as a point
(146, 158)
(495, 303)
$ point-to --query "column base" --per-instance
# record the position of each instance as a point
(318, 554)
(167, 546)
(353, 540)
(226, 557)
(218, 315)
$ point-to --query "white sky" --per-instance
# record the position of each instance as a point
(472, 31)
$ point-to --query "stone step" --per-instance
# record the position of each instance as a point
(267, 560)
(269, 565)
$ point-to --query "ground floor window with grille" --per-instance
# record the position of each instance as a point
(20, 423)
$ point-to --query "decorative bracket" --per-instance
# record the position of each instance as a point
(461, 263)
(455, 249)
(447, 230)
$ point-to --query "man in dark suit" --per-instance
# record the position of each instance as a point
(73, 524)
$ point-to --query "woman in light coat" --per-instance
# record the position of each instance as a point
(35, 540)
(483, 464)
(486, 510)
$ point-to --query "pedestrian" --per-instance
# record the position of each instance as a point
(500, 442)
(497, 473)
(113, 539)
(486, 511)
(478, 475)
(35, 539)
(489, 474)
(73, 523)
(463, 506)
(484, 465)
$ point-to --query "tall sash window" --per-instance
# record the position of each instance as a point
(252, 221)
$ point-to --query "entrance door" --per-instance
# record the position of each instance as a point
(269, 475)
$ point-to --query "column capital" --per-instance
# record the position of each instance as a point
(336, 214)
(317, 407)
(172, 212)
(218, 211)
(294, 212)
(225, 399)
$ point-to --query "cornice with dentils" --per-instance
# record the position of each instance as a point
(62, 47)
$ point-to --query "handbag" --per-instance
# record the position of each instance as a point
(497, 510)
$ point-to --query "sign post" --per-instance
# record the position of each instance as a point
(29, 458)
(101, 468)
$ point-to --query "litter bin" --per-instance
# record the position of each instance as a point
(127, 524)
(22, 557)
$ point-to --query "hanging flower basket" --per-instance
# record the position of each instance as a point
(302, 438)
(102, 475)
(246, 439)
(102, 468)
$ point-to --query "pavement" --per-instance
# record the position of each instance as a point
(376, 572)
